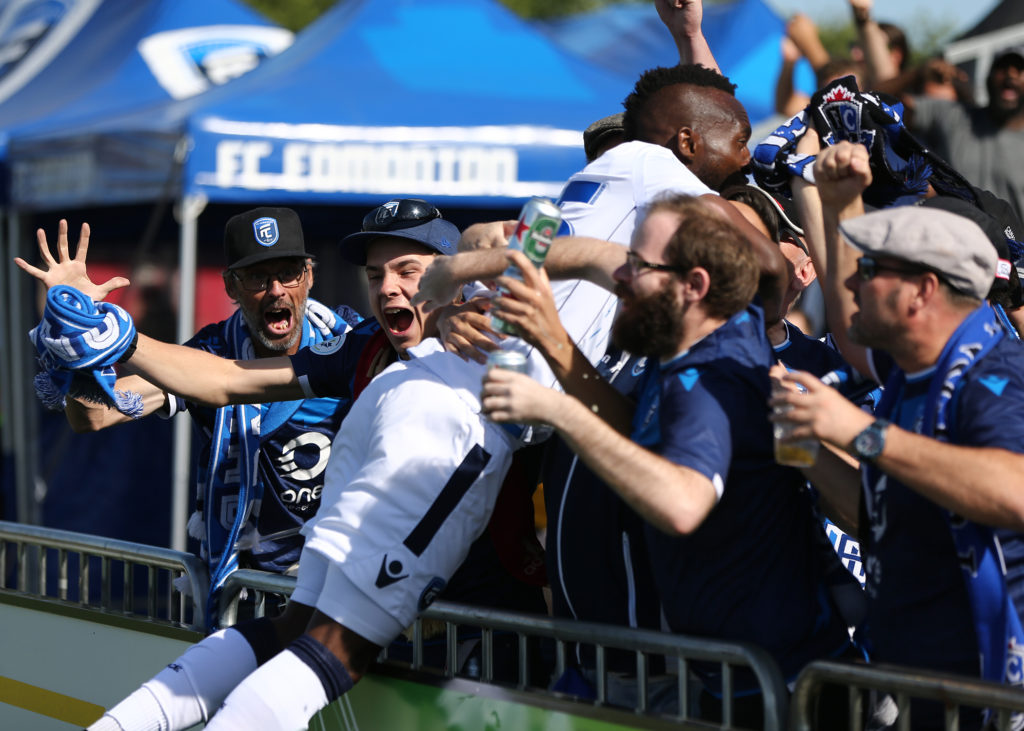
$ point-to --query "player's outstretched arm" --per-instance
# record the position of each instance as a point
(67, 269)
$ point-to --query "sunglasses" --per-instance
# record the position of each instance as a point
(868, 268)
(398, 214)
(290, 277)
(636, 265)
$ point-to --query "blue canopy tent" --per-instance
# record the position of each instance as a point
(123, 54)
(372, 100)
(629, 38)
(456, 100)
(69, 61)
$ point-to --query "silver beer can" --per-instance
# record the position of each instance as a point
(510, 360)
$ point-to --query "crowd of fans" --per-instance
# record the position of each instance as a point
(665, 359)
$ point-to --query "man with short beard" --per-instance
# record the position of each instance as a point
(729, 532)
(269, 276)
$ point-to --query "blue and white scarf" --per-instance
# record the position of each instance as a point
(78, 342)
(246, 420)
(901, 165)
(997, 626)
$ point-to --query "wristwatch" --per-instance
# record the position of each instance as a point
(870, 442)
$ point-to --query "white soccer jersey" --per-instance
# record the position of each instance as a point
(602, 201)
(411, 483)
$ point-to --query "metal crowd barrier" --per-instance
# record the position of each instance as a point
(92, 571)
(903, 684)
(678, 651)
(102, 573)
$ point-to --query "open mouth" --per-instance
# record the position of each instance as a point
(398, 319)
(278, 321)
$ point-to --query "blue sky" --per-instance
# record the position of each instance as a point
(911, 15)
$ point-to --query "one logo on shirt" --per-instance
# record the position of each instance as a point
(390, 573)
(434, 588)
(265, 230)
(995, 384)
(328, 346)
(689, 378)
(313, 448)
(639, 366)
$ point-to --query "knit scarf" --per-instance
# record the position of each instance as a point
(250, 422)
(901, 165)
(78, 342)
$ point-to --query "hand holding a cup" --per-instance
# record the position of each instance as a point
(805, 410)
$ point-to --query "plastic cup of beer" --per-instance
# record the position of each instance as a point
(797, 453)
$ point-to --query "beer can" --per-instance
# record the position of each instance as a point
(510, 360)
(537, 227)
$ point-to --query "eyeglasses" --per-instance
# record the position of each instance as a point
(290, 276)
(636, 264)
(398, 214)
(868, 268)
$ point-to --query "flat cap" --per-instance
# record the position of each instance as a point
(952, 246)
(599, 133)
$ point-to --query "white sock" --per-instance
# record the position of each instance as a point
(187, 691)
(282, 695)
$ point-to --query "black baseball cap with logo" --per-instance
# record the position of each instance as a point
(261, 234)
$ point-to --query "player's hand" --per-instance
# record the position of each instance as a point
(491, 235)
(507, 396)
(683, 18)
(530, 307)
(466, 330)
(818, 412)
(842, 173)
(68, 270)
(438, 286)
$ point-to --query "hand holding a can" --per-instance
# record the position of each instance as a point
(529, 306)
(807, 409)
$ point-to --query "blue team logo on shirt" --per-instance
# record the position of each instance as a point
(266, 231)
(689, 378)
(995, 384)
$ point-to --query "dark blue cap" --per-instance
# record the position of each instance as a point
(404, 218)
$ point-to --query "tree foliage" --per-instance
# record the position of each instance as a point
(296, 14)
(836, 35)
(291, 14)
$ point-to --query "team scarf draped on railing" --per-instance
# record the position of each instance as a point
(997, 626)
(78, 342)
(250, 423)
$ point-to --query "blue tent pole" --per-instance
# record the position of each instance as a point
(190, 206)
